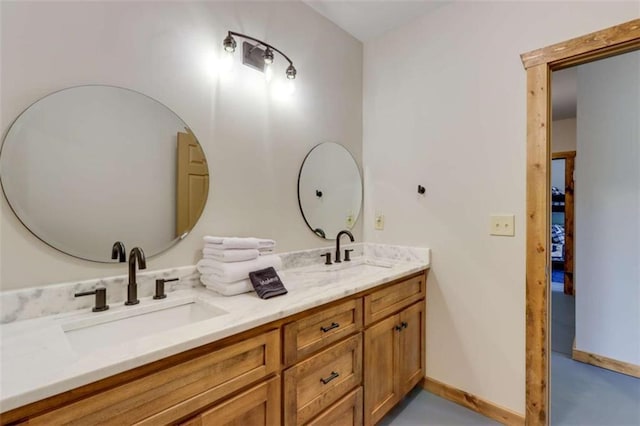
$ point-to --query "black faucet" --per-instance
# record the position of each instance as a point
(132, 288)
(118, 252)
(340, 234)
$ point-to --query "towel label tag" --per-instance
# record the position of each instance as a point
(267, 283)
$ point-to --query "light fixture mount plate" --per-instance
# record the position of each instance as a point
(252, 56)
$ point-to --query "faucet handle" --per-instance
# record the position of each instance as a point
(327, 257)
(160, 294)
(101, 298)
(347, 255)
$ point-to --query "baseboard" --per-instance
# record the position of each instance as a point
(482, 406)
(604, 362)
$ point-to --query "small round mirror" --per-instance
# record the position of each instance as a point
(88, 166)
(329, 190)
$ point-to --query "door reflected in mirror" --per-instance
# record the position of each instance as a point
(329, 190)
(90, 165)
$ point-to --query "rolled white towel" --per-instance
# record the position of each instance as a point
(230, 255)
(265, 250)
(226, 289)
(236, 271)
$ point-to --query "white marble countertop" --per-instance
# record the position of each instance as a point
(38, 361)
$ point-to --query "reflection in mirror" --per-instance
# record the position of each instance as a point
(329, 190)
(88, 166)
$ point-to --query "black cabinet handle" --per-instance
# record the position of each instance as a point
(398, 327)
(330, 378)
(331, 327)
(404, 324)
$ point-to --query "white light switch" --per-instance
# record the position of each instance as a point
(379, 223)
(503, 225)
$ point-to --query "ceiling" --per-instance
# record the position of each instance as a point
(564, 93)
(367, 19)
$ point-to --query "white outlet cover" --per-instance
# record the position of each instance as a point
(502, 225)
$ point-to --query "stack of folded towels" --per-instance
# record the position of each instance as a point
(227, 261)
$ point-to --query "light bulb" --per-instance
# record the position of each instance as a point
(268, 72)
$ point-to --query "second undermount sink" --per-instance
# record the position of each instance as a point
(101, 331)
(356, 266)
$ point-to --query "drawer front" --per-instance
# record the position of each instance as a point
(185, 387)
(313, 385)
(319, 330)
(346, 412)
(259, 406)
(392, 299)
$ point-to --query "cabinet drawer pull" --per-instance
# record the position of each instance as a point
(331, 327)
(330, 378)
(404, 324)
(398, 327)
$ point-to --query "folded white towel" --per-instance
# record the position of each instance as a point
(230, 255)
(265, 250)
(238, 242)
(226, 289)
(236, 271)
(231, 242)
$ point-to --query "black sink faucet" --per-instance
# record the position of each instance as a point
(340, 234)
(132, 288)
(118, 252)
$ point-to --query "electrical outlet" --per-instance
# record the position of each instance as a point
(379, 222)
(503, 225)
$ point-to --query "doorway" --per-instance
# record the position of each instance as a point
(539, 65)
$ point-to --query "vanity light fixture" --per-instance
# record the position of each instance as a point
(255, 56)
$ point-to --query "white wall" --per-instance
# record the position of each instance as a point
(607, 258)
(254, 141)
(563, 135)
(445, 107)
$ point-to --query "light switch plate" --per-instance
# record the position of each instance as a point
(379, 223)
(503, 225)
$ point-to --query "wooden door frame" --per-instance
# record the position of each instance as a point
(569, 210)
(539, 64)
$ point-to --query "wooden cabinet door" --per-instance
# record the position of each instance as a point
(259, 406)
(412, 338)
(381, 347)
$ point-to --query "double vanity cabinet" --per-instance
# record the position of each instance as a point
(347, 362)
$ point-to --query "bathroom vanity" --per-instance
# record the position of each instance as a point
(343, 347)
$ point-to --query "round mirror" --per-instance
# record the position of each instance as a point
(88, 166)
(329, 190)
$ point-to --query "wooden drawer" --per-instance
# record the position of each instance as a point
(319, 330)
(392, 299)
(311, 386)
(184, 388)
(259, 406)
(346, 412)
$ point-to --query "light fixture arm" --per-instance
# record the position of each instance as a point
(233, 33)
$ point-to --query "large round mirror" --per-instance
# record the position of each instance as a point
(88, 166)
(329, 190)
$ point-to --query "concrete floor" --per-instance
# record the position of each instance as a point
(581, 394)
(421, 408)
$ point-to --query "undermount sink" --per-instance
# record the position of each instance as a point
(100, 331)
(356, 266)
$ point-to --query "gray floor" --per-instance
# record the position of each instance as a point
(426, 409)
(581, 394)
